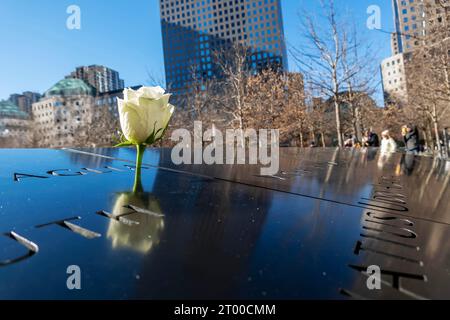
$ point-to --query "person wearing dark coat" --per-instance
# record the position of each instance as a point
(372, 139)
(411, 139)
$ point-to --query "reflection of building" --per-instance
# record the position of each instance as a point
(208, 249)
(103, 79)
(25, 100)
(193, 31)
(14, 126)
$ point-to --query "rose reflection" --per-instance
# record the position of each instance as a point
(140, 231)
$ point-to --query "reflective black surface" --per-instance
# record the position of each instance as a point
(223, 231)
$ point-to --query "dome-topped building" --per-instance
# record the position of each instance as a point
(14, 126)
(63, 116)
(73, 113)
(10, 110)
(70, 87)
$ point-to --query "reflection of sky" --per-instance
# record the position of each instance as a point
(18, 199)
(33, 161)
(84, 160)
(36, 201)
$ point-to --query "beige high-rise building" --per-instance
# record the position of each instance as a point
(394, 79)
(102, 78)
(395, 44)
(415, 24)
(415, 20)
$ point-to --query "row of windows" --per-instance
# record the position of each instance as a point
(108, 100)
(213, 12)
(211, 4)
(393, 62)
(395, 72)
(173, 40)
(178, 42)
(227, 23)
(181, 80)
(229, 14)
(257, 38)
(175, 61)
(49, 105)
(396, 80)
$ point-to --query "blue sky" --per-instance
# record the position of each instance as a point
(37, 49)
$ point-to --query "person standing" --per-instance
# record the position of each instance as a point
(388, 144)
(411, 139)
(350, 142)
(372, 139)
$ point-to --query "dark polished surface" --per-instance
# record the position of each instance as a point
(198, 231)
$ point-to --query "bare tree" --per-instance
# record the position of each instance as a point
(428, 71)
(232, 62)
(99, 128)
(156, 79)
(363, 83)
(276, 100)
(330, 60)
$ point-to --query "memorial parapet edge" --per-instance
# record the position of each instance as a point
(223, 232)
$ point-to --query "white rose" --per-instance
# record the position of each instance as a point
(144, 112)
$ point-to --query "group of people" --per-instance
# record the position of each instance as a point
(387, 145)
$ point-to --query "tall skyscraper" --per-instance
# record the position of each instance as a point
(396, 40)
(414, 19)
(395, 44)
(103, 79)
(415, 22)
(394, 79)
(194, 31)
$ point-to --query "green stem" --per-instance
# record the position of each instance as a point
(137, 177)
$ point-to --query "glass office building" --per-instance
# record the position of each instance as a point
(194, 31)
